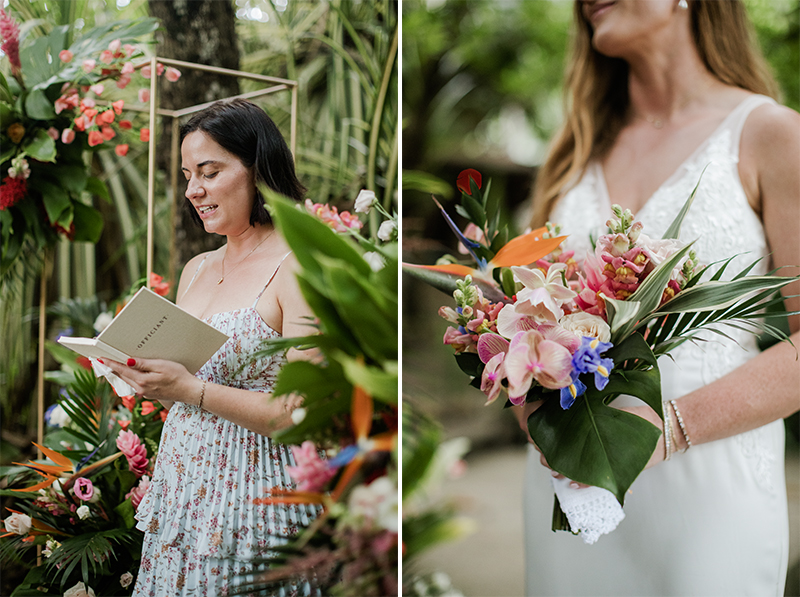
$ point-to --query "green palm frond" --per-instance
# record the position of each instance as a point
(95, 553)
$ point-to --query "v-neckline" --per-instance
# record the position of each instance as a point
(601, 177)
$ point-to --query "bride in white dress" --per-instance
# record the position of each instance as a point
(659, 89)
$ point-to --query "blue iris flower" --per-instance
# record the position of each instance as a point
(587, 359)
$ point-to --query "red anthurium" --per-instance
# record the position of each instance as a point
(462, 182)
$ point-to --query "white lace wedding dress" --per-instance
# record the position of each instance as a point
(711, 521)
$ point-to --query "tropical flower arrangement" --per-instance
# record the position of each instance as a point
(78, 503)
(54, 107)
(541, 327)
(345, 434)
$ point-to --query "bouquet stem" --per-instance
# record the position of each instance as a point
(560, 521)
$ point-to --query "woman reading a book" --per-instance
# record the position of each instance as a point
(216, 454)
(659, 90)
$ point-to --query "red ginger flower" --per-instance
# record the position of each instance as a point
(9, 31)
(12, 191)
(131, 446)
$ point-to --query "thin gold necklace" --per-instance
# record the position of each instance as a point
(659, 123)
(222, 277)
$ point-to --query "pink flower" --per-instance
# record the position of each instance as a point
(144, 95)
(88, 65)
(472, 232)
(84, 490)
(105, 117)
(95, 138)
(144, 135)
(80, 124)
(65, 56)
(147, 407)
(159, 69)
(106, 56)
(127, 68)
(129, 49)
(509, 322)
(87, 103)
(532, 358)
(115, 45)
(118, 105)
(9, 31)
(125, 124)
(107, 132)
(460, 341)
(311, 472)
(121, 150)
(173, 74)
(492, 350)
(543, 294)
(130, 445)
(97, 89)
(52, 132)
(123, 81)
(146, 71)
(158, 285)
(331, 216)
(138, 492)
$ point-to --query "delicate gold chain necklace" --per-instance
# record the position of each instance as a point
(659, 123)
(242, 261)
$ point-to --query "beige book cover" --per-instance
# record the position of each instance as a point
(151, 327)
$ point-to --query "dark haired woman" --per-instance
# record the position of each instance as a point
(657, 91)
(216, 454)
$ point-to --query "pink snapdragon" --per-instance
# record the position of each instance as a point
(131, 446)
(311, 472)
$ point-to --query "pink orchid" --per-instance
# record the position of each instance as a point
(509, 321)
(131, 446)
(311, 472)
(460, 341)
(559, 335)
(532, 358)
(492, 350)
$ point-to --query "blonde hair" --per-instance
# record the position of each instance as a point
(596, 91)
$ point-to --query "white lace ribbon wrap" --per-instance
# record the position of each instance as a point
(591, 511)
(121, 387)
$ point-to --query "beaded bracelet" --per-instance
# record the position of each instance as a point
(667, 430)
(202, 395)
(681, 424)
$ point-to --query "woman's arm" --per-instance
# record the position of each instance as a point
(767, 387)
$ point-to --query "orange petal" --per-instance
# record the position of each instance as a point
(56, 457)
(38, 486)
(347, 475)
(526, 249)
(452, 268)
(361, 412)
(383, 442)
(91, 468)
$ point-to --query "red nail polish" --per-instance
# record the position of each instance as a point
(131, 362)
(101, 361)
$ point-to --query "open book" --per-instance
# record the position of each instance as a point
(151, 327)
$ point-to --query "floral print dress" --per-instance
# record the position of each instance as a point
(200, 524)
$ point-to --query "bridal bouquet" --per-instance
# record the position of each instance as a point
(541, 327)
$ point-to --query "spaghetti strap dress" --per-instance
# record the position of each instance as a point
(712, 521)
(200, 524)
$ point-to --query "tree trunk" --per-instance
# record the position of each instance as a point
(203, 32)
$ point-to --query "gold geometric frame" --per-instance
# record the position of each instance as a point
(276, 85)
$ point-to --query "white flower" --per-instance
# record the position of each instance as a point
(298, 415)
(387, 230)
(96, 495)
(19, 168)
(50, 547)
(375, 260)
(83, 512)
(586, 324)
(377, 503)
(543, 294)
(59, 417)
(18, 523)
(102, 321)
(125, 580)
(79, 590)
(364, 201)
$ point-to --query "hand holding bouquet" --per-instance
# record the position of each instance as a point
(577, 337)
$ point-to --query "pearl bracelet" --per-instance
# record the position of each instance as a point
(667, 430)
(681, 424)
(202, 395)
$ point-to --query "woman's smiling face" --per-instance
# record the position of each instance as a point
(219, 186)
